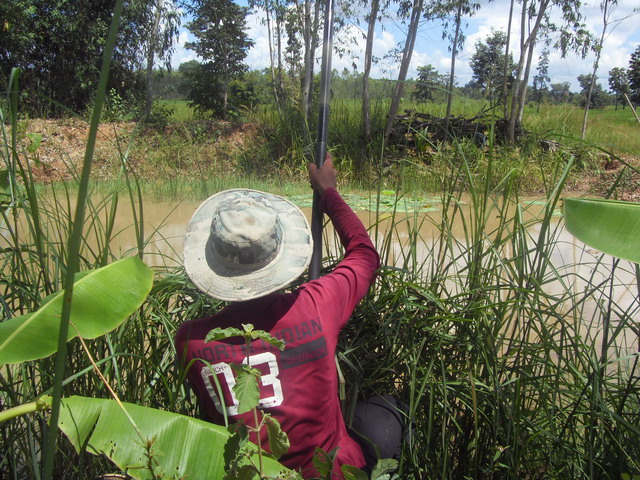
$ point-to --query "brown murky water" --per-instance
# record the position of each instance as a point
(578, 267)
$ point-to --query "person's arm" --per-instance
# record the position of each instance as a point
(353, 276)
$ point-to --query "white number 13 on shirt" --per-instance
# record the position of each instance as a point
(268, 379)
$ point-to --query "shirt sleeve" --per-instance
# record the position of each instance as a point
(348, 283)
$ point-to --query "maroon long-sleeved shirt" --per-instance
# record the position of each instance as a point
(299, 385)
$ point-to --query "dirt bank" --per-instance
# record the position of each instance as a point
(56, 149)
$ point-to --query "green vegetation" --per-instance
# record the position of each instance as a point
(515, 350)
(499, 352)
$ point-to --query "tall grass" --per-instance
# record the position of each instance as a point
(511, 364)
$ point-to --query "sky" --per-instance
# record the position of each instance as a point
(622, 39)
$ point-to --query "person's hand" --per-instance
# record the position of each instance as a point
(324, 177)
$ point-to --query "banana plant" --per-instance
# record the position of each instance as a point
(143, 442)
(611, 226)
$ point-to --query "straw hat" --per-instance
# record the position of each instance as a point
(243, 244)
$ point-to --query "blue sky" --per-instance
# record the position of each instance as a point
(621, 41)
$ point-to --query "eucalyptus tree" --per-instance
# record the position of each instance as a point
(274, 19)
(619, 85)
(505, 87)
(219, 27)
(164, 24)
(534, 18)
(443, 10)
(607, 7)
(371, 20)
(413, 10)
(311, 22)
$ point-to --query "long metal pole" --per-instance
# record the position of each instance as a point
(321, 142)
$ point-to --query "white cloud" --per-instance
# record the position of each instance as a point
(430, 48)
(181, 54)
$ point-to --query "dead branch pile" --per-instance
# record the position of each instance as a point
(413, 129)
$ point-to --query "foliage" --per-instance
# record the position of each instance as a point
(487, 64)
(561, 92)
(102, 298)
(59, 46)
(633, 74)
(541, 79)
(610, 226)
(598, 95)
(619, 84)
(428, 83)
(221, 41)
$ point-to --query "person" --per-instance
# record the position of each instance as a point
(244, 246)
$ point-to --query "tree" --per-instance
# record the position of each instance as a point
(486, 64)
(606, 6)
(164, 29)
(221, 41)
(541, 79)
(560, 92)
(274, 20)
(442, 9)
(368, 56)
(416, 13)
(429, 82)
(619, 84)
(593, 94)
(534, 19)
(58, 45)
(633, 74)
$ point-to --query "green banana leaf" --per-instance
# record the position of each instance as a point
(180, 446)
(610, 226)
(102, 300)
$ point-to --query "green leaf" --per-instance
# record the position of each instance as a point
(182, 447)
(235, 444)
(610, 226)
(276, 342)
(323, 461)
(102, 300)
(383, 467)
(35, 139)
(4, 180)
(223, 333)
(246, 388)
(353, 473)
(278, 439)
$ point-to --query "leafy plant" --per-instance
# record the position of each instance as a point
(611, 226)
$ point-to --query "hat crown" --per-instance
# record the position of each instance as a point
(245, 233)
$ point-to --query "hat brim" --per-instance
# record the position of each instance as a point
(291, 261)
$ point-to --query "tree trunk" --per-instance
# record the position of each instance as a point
(151, 58)
(368, 53)
(280, 83)
(525, 85)
(518, 91)
(276, 96)
(505, 70)
(452, 73)
(308, 63)
(416, 13)
(605, 23)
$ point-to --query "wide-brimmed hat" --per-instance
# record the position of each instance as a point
(243, 244)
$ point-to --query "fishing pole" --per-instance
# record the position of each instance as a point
(317, 217)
